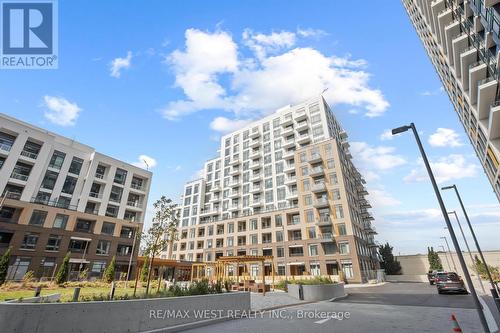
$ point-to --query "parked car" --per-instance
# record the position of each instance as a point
(449, 282)
(431, 276)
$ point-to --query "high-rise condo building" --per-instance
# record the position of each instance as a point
(462, 39)
(59, 196)
(283, 186)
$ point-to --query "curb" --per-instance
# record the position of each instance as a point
(338, 298)
(188, 326)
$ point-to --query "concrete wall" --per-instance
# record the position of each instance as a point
(418, 264)
(407, 278)
(317, 292)
(118, 316)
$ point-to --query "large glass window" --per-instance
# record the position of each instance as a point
(49, 181)
(108, 228)
(38, 217)
(116, 194)
(120, 176)
(83, 225)
(60, 221)
(6, 141)
(53, 243)
(69, 185)
(103, 247)
(57, 160)
(76, 165)
(29, 241)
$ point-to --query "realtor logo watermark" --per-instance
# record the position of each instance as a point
(28, 34)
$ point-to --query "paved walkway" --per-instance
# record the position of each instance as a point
(272, 299)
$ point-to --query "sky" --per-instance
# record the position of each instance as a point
(161, 81)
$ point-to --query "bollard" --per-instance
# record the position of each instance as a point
(112, 292)
(76, 294)
(301, 292)
(38, 290)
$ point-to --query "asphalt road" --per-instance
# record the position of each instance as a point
(394, 307)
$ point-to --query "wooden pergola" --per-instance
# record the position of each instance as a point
(222, 264)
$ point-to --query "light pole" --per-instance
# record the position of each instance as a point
(136, 232)
(468, 249)
(447, 220)
(446, 256)
(494, 287)
(449, 252)
(284, 250)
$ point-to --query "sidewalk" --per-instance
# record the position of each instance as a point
(272, 299)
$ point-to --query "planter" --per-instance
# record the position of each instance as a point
(141, 315)
(316, 292)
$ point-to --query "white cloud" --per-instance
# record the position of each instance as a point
(262, 44)
(225, 125)
(145, 162)
(213, 76)
(432, 92)
(381, 198)
(61, 111)
(118, 64)
(444, 169)
(379, 158)
(310, 32)
(445, 137)
(386, 135)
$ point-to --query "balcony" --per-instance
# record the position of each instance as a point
(255, 143)
(314, 158)
(326, 238)
(137, 187)
(289, 144)
(287, 154)
(256, 165)
(134, 203)
(343, 135)
(289, 167)
(255, 154)
(300, 115)
(233, 208)
(19, 176)
(234, 172)
(288, 131)
(254, 134)
(256, 189)
(318, 187)
(290, 180)
(324, 221)
(216, 188)
(235, 162)
(95, 195)
(321, 203)
(234, 194)
(257, 203)
(209, 212)
(29, 154)
(372, 243)
(235, 183)
(303, 139)
(292, 195)
(215, 198)
(256, 177)
(5, 147)
(362, 190)
(287, 121)
(302, 126)
(315, 172)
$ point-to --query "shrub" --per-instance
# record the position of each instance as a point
(4, 265)
(109, 273)
(62, 273)
(316, 280)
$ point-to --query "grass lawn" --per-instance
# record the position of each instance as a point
(67, 293)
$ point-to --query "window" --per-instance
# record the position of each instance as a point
(307, 200)
(347, 268)
(278, 222)
(53, 243)
(49, 181)
(311, 232)
(83, 225)
(266, 222)
(103, 247)
(341, 229)
(116, 194)
(38, 217)
(108, 228)
(336, 194)
(112, 211)
(230, 228)
(6, 141)
(100, 171)
(63, 202)
(330, 164)
(313, 250)
(333, 179)
(98, 268)
(29, 241)
(120, 176)
(76, 166)
(279, 236)
(60, 221)
(280, 252)
(253, 239)
(296, 251)
(344, 248)
(2, 161)
(123, 250)
(266, 238)
(309, 216)
(137, 183)
(339, 211)
(57, 160)
(21, 171)
(69, 185)
(127, 232)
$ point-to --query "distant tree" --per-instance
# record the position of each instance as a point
(162, 232)
(480, 269)
(389, 263)
(109, 273)
(4, 265)
(62, 273)
(434, 260)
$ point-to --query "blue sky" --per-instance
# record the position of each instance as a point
(165, 79)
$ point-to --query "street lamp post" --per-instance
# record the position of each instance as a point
(494, 287)
(468, 249)
(482, 318)
(136, 232)
(446, 256)
(451, 254)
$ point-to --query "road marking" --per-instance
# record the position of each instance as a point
(489, 317)
(322, 321)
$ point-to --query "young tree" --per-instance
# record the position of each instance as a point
(389, 263)
(109, 273)
(434, 260)
(145, 271)
(4, 265)
(163, 231)
(62, 273)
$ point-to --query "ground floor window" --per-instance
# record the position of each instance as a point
(347, 269)
(47, 267)
(281, 270)
(332, 268)
(19, 267)
(315, 269)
